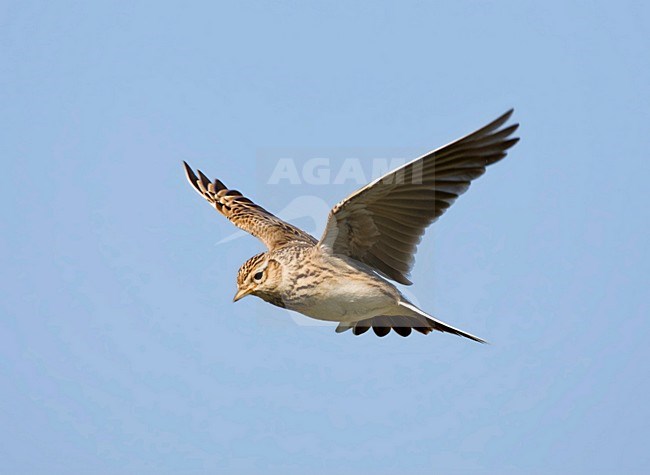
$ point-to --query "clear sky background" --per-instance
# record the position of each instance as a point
(120, 349)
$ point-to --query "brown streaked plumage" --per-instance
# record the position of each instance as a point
(245, 214)
(374, 231)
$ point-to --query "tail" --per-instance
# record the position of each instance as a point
(436, 324)
(413, 319)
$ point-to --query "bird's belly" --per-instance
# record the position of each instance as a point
(344, 300)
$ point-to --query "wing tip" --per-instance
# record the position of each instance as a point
(188, 170)
(201, 182)
(513, 127)
(499, 121)
(191, 177)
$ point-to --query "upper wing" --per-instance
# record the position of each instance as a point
(245, 214)
(382, 223)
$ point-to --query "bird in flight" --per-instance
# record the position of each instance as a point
(371, 237)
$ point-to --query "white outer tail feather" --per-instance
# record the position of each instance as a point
(440, 325)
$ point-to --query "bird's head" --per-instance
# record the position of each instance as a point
(259, 276)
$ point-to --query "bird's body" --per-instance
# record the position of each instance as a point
(370, 236)
(330, 287)
(335, 288)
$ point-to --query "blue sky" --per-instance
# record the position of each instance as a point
(120, 349)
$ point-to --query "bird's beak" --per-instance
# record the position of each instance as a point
(241, 293)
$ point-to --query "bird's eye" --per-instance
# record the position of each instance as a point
(258, 276)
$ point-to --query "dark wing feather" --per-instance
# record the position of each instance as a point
(382, 223)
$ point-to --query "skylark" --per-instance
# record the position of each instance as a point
(371, 236)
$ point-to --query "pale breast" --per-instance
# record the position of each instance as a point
(329, 288)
